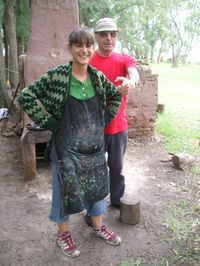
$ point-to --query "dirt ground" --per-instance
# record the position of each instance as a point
(28, 237)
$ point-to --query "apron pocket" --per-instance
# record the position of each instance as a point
(93, 175)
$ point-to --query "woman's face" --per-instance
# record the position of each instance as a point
(81, 52)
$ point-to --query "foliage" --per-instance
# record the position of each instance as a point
(147, 28)
(91, 11)
(23, 20)
(164, 23)
(1, 9)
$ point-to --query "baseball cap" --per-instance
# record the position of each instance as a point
(106, 24)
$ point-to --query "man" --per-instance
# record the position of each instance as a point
(120, 70)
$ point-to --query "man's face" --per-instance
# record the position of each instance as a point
(106, 40)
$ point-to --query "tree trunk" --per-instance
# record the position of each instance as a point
(174, 58)
(160, 52)
(10, 35)
(4, 98)
(152, 53)
(6, 54)
(20, 46)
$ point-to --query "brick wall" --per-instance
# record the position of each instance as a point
(142, 105)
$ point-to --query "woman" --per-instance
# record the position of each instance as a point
(73, 97)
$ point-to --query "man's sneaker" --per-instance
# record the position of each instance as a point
(107, 234)
(87, 219)
(67, 245)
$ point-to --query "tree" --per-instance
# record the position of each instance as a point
(4, 98)
(15, 27)
(172, 23)
(184, 22)
(143, 25)
(192, 27)
(90, 11)
(23, 16)
(11, 39)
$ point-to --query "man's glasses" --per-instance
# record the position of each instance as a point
(104, 34)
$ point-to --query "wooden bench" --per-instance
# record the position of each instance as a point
(29, 139)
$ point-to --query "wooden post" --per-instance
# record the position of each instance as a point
(161, 108)
(130, 209)
(28, 141)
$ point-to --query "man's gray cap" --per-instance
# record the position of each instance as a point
(106, 24)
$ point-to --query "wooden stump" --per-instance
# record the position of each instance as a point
(160, 108)
(130, 209)
(180, 160)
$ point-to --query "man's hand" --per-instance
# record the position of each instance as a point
(126, 86)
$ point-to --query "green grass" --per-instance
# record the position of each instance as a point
(133, 262)
(184, 224)
(196, 169)
(179, 91)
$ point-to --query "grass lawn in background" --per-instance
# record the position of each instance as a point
(179, 91)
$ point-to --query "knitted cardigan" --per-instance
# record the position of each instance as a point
(52, 90)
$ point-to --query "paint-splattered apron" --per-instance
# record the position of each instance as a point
(78, 149)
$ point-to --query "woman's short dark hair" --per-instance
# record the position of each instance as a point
(81, 35)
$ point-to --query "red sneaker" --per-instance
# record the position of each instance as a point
(107, 234)
(67, 245)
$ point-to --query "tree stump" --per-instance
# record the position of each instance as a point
(179, 160)
(160, 108)
(130, 209)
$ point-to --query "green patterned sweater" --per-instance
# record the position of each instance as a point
(52, 89)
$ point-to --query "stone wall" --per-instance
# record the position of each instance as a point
(142, 105)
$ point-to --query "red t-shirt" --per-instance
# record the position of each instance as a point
(112, 67)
